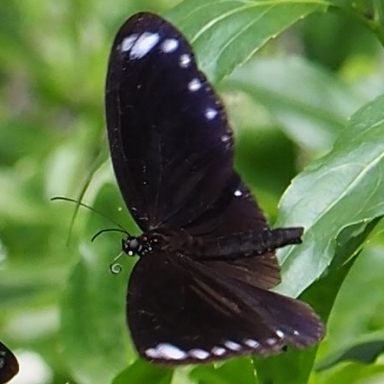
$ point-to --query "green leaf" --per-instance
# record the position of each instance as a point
(351, 239)
(94, 332)
(343, 188)
(321, 296)
(310, 104)
(142, 372)
(239, 371)
(365, 351)
(93, 326)
(357, 316)
(225, 33)
(353, 373)
(275, 368)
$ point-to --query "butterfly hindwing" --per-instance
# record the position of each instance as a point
(202, 316)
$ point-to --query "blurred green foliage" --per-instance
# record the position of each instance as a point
(289, 105)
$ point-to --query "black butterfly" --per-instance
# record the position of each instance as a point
(9, 366)
(199, 291)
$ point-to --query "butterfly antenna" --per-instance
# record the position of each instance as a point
(115, 267)
(79, 203)
(108, 230)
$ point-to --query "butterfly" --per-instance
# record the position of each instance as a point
(199, 291)
(9, 366)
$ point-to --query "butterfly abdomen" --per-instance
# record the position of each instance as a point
(245, 244)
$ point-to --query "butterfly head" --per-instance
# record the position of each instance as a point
(132, 246)
(139, 246)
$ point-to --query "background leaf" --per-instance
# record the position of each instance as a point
(361, 351)
(240, 371)
(347, 188)
(299, 363)
(143, 372)
(306, 101)
(225, 34)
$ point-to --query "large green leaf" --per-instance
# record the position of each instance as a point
(225, 33)
(345, 187)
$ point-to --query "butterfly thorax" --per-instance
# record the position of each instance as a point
(159, 240)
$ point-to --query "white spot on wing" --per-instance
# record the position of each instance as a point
(296, 333)
(210, 113)
(166, 351)
(169, 45)
(271, 341)
(251, 343)
(144, 44)
(128, 42)
(280, 333)
(198, 354)
(194, 85)
(152, 353)
(225, 138)
(185, 60)
(232, 345)
(218, 351)
(238, 193)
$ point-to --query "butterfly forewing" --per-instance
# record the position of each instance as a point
(167, 128)
(172, 162)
